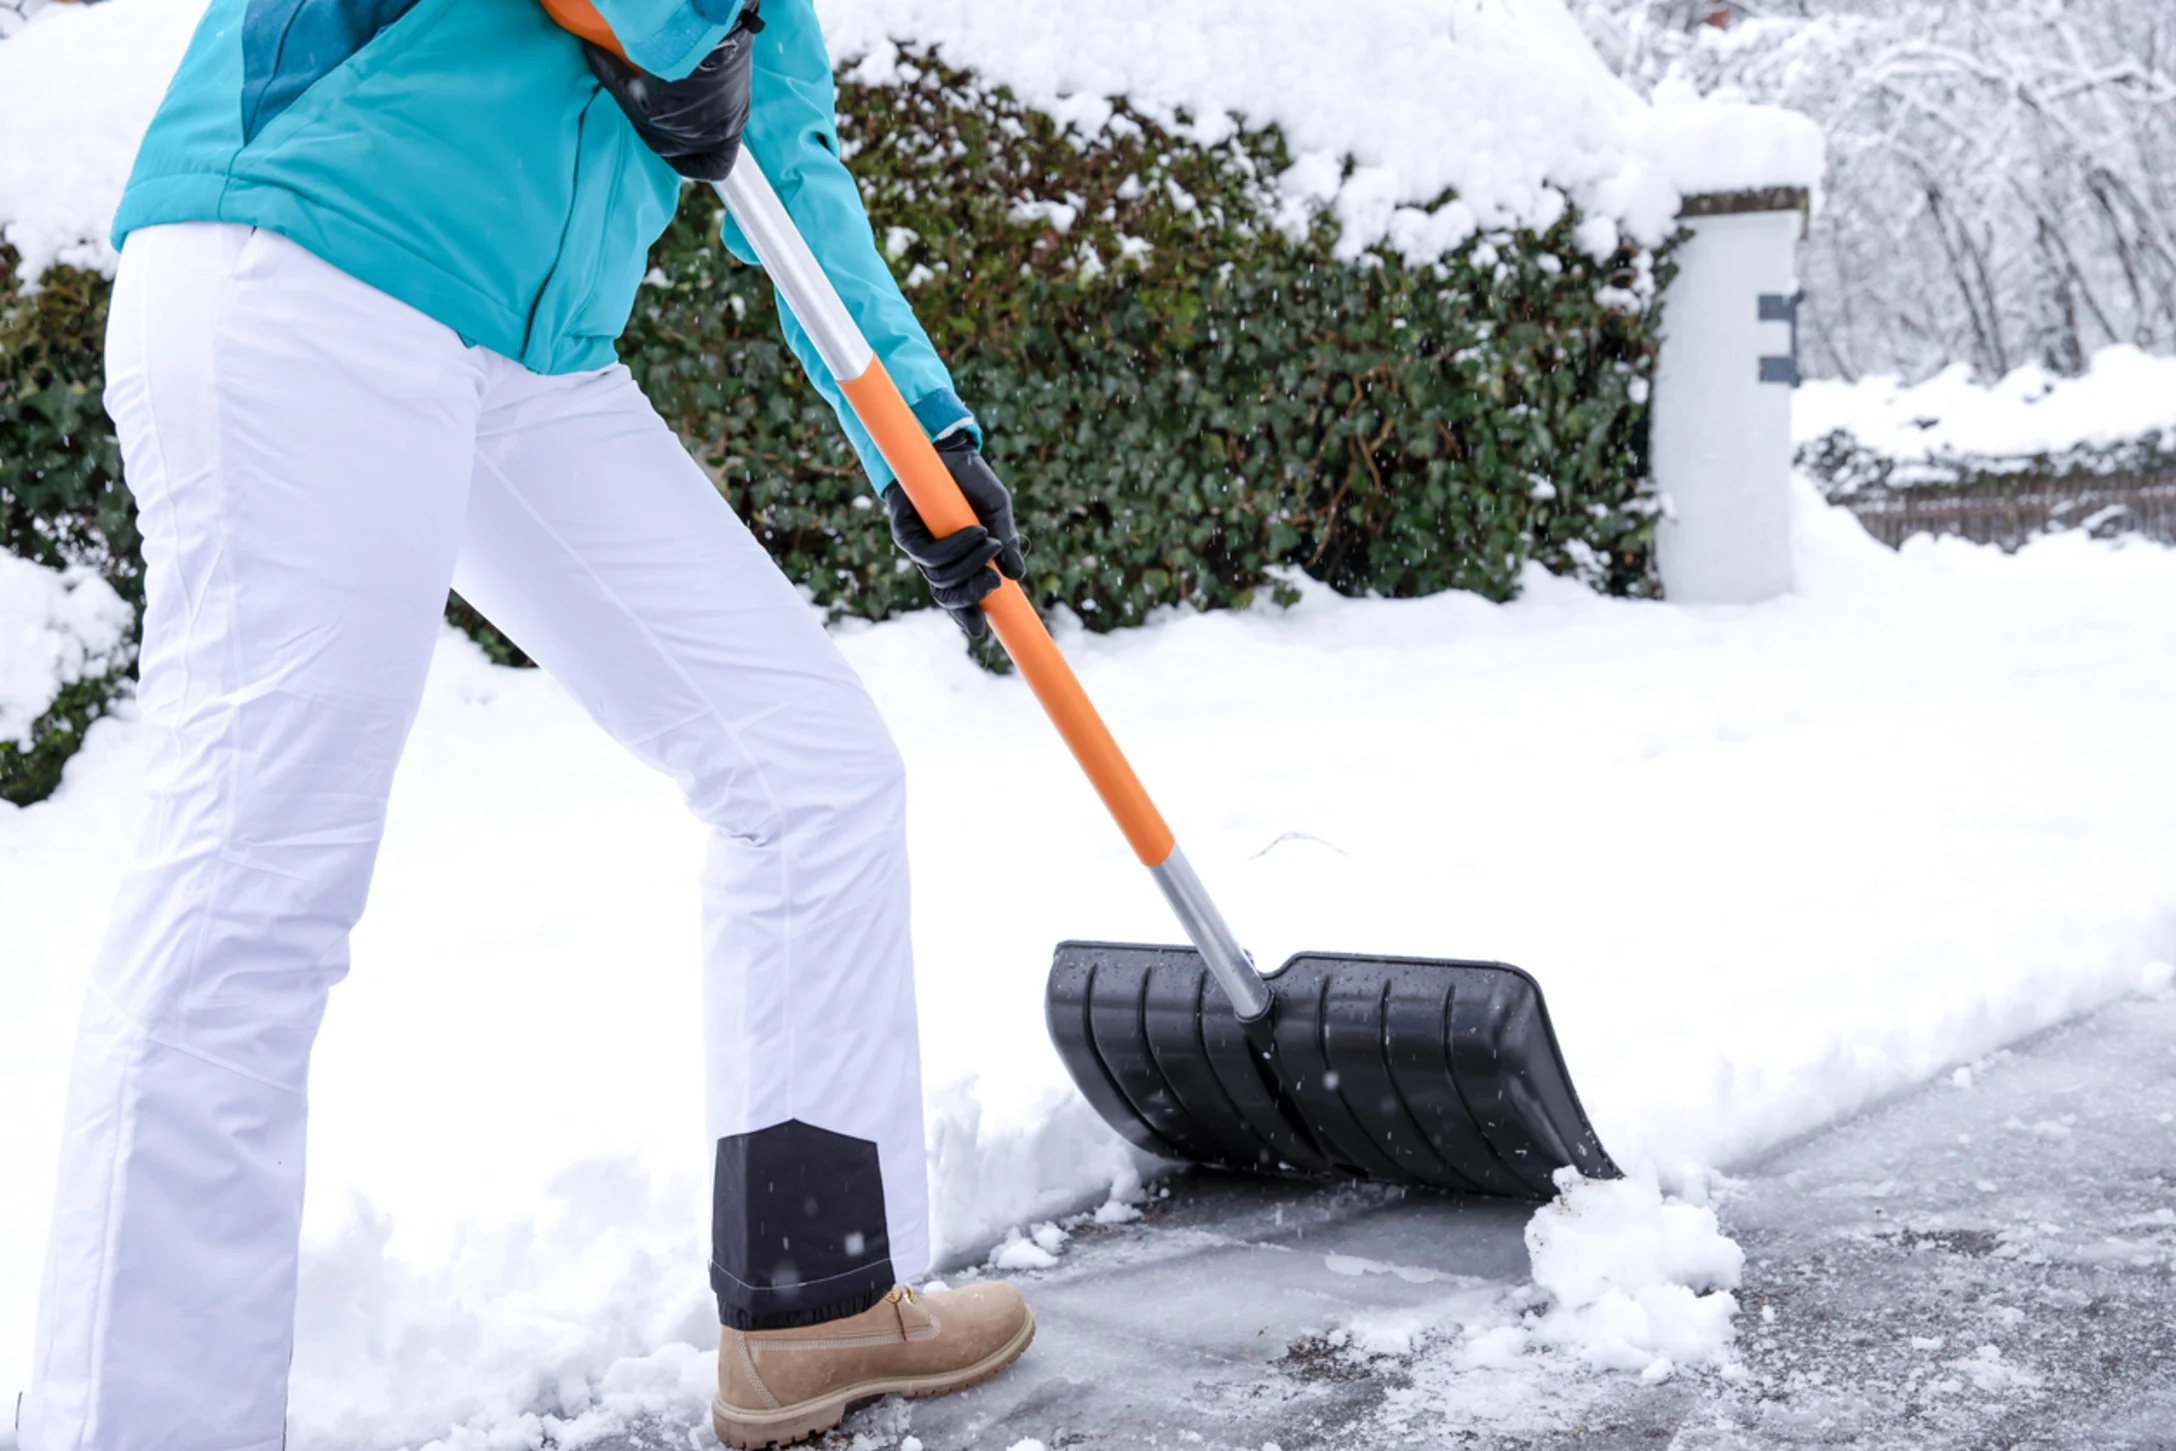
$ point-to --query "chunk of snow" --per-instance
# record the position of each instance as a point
(1495, 1348)
(1988, 1371)
(1058, 216)
(1637, 1280)
(1021, 1253)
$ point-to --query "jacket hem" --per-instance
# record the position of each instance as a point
(369, 256)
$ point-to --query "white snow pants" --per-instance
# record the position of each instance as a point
(314, 463)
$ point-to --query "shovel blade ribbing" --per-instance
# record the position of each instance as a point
(1400, 1069)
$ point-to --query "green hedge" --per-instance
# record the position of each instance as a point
(1188, 399)
(61, 499)
(1177, 425)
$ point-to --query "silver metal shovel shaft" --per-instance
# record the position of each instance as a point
(1228, 962)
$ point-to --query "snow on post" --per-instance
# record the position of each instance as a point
(1721, 423)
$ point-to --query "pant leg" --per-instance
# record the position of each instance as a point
(595, 542)
(299, 446)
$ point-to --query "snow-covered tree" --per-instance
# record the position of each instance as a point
(2002, 173)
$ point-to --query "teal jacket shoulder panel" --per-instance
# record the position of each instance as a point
(793, 133)
(458, 155)
(289, 46)
(509, 200)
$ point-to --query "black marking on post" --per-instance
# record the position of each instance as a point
(1781, 307)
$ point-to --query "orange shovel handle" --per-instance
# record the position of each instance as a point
(581, 17)
(900, 438)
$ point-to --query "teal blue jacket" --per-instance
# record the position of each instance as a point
(459, 155)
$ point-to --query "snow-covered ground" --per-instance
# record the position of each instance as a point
(1769, 863)
(2124, 395)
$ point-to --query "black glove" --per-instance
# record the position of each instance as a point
(958, 565)
(695, 124)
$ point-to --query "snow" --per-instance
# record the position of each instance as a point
(1503, 101)
(1640, 1282)
(2157, 980)
(1723, 143)
(1037, 1250)
(59, 627)
(83, 80)
(2124, 394)
(1769, 863)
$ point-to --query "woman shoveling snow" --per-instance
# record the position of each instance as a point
(375, 254)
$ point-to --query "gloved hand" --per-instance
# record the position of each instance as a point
(958, 565)
(694, 124)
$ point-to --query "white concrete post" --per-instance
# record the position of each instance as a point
(1721, 421)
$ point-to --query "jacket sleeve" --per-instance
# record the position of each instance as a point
(792, 133)
(668, 38)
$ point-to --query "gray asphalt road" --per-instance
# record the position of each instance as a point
(1979, 1264)
(1973, 1267)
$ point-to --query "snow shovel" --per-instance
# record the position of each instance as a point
(1410, 1070)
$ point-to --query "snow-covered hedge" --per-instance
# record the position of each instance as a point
(2032, 428)
(2001, 463)
(1192, 380)
(69, 569)
(69, 643)
(1187, 387)
(1372, 300)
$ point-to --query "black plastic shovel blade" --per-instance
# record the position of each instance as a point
(1404, 1069)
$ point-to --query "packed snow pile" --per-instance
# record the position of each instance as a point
(1638, 1282)
(56, 627)
(1501, 101)
(1769, 864)
(2124, 396)
(1723, 143)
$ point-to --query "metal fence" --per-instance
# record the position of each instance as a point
(2015, 511)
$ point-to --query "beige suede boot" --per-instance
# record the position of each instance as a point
(776, 1387)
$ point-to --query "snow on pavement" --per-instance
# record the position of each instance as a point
(1769, 863)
